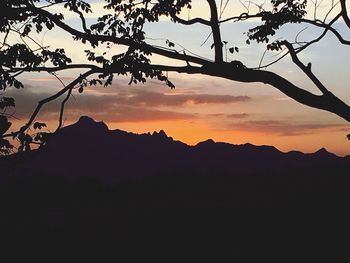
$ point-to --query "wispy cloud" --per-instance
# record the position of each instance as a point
(107, 107)
(157, 97)
(238, 115)
(50, 79)
(129, 114)
(282, 128)
(153, 99)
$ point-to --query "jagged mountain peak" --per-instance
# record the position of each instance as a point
(85, 121)
(206, 142)
(161, 135)
(323, 152)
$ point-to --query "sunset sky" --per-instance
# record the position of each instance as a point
(203, 107)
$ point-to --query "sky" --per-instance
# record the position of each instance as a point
(202, 107)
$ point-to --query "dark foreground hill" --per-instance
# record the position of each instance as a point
(148, 196)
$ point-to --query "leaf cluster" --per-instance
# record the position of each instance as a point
(283, 12)
(5, 146)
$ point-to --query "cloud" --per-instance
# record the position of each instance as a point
(283, 99)
(215, 114)
(27, 98)
(107, 107)
(281, 128)
(238, 115)
(130, 114)
(154, 99)
(126, 107)
(119, 103)
(139, 97)
(50, 79)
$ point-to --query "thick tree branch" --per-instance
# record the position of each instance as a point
(215, 27)
(327, 102)
(344, 13)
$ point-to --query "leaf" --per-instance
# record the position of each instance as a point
(39, 125)
(39, 28)
(5, 146)
(170, 44)
(4, 124)
(99, 59)
(7, 102)
(233, 49)
(42, 137)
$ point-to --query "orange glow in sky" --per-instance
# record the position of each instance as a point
(193, 132)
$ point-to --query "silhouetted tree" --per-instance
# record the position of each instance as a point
(123, 24)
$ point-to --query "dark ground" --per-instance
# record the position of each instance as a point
(182, 217)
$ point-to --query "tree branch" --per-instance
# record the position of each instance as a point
(328, 27)
(219, 68)
(82, 18)
(241, 17)
(47, 100)
(214, 23)
(344, 13)
(54, 69)
(190, 21)
(328, 101)
(62, 109)
(122, 41)
(305, 69)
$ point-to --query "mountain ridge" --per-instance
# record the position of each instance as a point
(89, 148)
(161, 133)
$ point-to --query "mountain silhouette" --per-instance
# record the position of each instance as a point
(88, 148)
(212, 200)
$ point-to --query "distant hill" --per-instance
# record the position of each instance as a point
(89, 148)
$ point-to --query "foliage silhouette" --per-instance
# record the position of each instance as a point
(123, 24)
